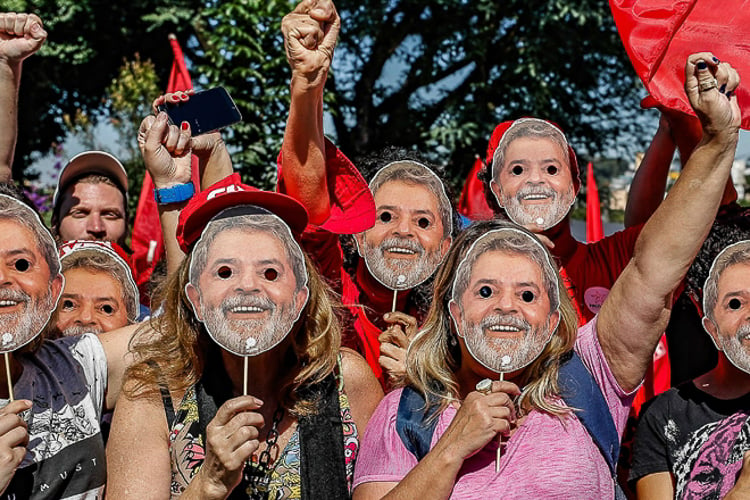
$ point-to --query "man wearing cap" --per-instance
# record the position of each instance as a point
(50, 433)
(407, 199)
(91, 199)
(21, 35)
(100, 294)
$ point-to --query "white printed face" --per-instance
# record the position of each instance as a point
(504, 315)
(731, 329)
(534, 185)
(247, 296)
(27, 295)
(407, 242)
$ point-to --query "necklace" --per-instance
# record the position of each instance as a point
(257, 476)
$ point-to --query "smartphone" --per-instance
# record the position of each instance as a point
(206, 111)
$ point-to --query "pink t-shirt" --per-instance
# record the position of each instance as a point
(545, 458)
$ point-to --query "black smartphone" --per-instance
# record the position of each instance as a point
(206, 111)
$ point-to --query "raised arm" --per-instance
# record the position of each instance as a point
(310, 33)
(20, 36)
(166, 150)
(638, 307)
(649, 182)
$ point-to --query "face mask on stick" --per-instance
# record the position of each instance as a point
(248, 281)
(409, 240)
(31, 270)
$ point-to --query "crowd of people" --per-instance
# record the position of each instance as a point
(349, 336)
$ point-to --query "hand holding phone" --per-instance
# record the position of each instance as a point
(205, 111)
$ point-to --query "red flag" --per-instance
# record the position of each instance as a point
(658, 35)
(594, 229)
(473, 204)
(147, 241)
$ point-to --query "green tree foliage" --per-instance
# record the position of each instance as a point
(88, 41)
(129, 99)
(441, 74)
(241, 48)
(436, 76)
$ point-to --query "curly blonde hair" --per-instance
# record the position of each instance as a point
(172, 346)
(432, 360)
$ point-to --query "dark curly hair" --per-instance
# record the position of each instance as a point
(732, 224)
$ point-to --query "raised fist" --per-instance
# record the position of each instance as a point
(310, 33)
(20, 36)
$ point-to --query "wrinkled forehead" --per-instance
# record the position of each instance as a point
(257, 238)
(534, 129)
(413, 173)
(23, 229)
(510, 242)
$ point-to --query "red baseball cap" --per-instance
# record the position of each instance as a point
(230, 192)
(501, 129)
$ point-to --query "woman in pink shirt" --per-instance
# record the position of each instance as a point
(499, 306)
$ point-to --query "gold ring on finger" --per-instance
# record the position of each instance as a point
(706, 86)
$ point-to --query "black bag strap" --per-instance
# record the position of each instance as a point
(166, 397)
(321, 440)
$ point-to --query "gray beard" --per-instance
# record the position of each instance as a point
(248, 337)
(19, 329)
(504, 355)
(528, 216)
(735, 351)
(80, 330)
(400, 274)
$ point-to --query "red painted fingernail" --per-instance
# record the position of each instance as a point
(184, 125)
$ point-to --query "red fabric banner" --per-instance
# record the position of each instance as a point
(594, 226)
(147, 242)
(473, 204)
(658, 35)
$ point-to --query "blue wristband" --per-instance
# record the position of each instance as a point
(174, 194)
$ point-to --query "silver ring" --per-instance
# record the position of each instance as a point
(484, 386)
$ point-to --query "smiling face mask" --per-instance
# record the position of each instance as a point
(726, 304)
(412, 230)
(248, 282)
(505, 300)
(531, 174)
(30, 273)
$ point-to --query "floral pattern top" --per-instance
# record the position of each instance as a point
(187, 451)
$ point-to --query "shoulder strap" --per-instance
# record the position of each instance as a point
(413, 424)
(166, 398)
(579, 390)
(321, 441)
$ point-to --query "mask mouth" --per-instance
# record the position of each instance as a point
(10, 299)
(743, 334)
(249, 306)
(536, 194)
(401, 248)
(502, 327)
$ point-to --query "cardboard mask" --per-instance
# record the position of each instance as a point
(534, 204)
(726, 305)
(399, 261)
(248, 280)
(504, 270)
(31, 265)
(111, 251)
